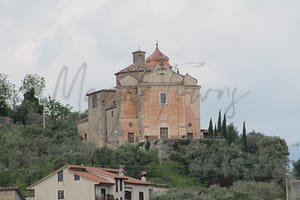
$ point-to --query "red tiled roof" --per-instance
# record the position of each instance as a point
(128, 178)
(157, 57)
(103, 90)
(91, 176)
(135, 181)
(85, 171)
(101, 170)
(135, 68)
(105, 171)
(108, 172)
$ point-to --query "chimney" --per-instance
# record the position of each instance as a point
(144, 176)
(121, 169)
(139, 57)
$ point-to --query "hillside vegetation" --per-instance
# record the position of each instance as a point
(226, 165)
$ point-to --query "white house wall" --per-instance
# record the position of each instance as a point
(136, 189)
(73, 190)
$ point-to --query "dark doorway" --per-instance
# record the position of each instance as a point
(164, 133)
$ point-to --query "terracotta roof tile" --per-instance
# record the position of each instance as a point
(157, 57)
(101, 170)
(112, 173)
(136, 68)
(91, 176)
(135, 181)
(110, 170)
(105, 171)
(129, 179)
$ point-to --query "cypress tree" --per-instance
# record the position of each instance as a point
(224, 127)
(244, 136)
(215, 131)
(210, 128)
(219, 122)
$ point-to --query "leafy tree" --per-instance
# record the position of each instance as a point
(33, 82)
(14, 97)
(244, 190)
(215, 192)
(215, 162)
(224, 127)
(272, 158)
(4, 108)
(239, 190)
(30, 109)
(28, 153)
(134, 159)
(102, 157)
(147, 143)
(256, 190)
(177, 194)
(232, 133)
(5, 178)
(173, 173)
(30, 100)
(5, 94)
(252, 140)
(210, 128)
(55, 110)
(297, 169)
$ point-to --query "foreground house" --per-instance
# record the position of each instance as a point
(10, 193)
(151, 99)
(75, 182)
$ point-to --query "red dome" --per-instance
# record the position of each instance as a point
(157, 57)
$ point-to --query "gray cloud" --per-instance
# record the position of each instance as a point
(249, 45)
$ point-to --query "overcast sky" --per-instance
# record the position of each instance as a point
(249, 47)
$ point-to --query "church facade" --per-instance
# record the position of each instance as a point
(150, 100)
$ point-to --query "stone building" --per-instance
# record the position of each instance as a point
(150, 99)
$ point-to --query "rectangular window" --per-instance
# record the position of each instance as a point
(163, 98)
(94, 101)
(164, 133)
(103, 192)
(127, 195)
(76, 177)
(190, 135)
(116, 185)
(60, 176)
(85, 136)
(121, 185)
(130, 137)
(141, 195)
(60, 194)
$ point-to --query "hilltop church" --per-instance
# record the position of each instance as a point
(150, 99)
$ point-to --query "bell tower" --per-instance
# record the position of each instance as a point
(138, 57)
